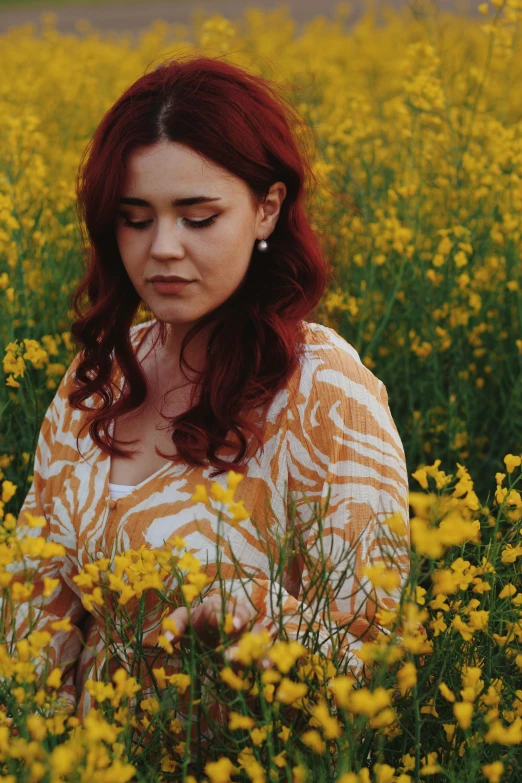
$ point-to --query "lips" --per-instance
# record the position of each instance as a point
(171, 287)
(170, 280)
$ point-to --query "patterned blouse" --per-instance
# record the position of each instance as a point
(331, 425)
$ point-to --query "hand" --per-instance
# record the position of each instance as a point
(206, 619)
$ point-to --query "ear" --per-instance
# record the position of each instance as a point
(270, 210)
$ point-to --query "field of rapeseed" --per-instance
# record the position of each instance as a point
(419, 153)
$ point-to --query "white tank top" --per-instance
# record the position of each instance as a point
(120, 490)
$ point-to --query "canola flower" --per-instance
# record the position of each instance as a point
(446, 667)
(418, 135)
(422, 143)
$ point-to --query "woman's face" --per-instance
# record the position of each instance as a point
(209, 241)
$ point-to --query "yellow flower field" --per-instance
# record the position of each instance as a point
(418, 133)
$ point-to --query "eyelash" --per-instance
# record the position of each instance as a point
(193, 223)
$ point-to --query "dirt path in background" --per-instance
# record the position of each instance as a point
(132, 19)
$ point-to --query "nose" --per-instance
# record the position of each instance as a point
(166, 242)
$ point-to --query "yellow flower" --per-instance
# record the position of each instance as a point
(366, 702)
(189, 562)
(220, 771)
(125, 685)
(237, 721)
(180, 681)
(21, 592)
(299, 774)
(511, 553)
(438, 625)
(234, 479)
(159, 674)
(511, 462)
(421, 476)
(465, 631)
(384, 773)
(228, 623)
(289, 692)
(512, 735)
(217, 492)
(36, 727)
(8, 491)
(507, 591)
(62, 761)
(200, 495)
(199, 580)
(407, 677)
(313, 740)
(50, 586)
(252, 767)
(54, 680)
(165, 644)
(429, 709)
(33, 521)
(429, 764)
(37, 641)
(420, 592)
(493, 772)
(176, 542)
(62, 625)
(321, 717)
(190, 592)
(446, 692)
(341, 687)
(239, 513)
(232, 679)
(168, 624)
(150, 705)
(381, 577)
(396, 524)
(479, 619)
(100, 691)
(83, 580)
(463, 712)
(126, 594)
(90, 600)
(252, 646)
(258, 736)
(439, 602)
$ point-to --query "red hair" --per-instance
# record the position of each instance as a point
(241, 123)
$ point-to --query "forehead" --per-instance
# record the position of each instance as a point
(173, 166)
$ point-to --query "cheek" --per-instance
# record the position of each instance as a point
(130, 248)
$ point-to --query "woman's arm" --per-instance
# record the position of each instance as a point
(51, 601)
(340, 432)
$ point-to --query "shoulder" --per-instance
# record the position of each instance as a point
(335, 396)
(330, 363)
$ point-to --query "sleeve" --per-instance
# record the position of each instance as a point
(50, 601)
(341, 434)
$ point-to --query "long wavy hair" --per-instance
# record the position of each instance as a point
(243, 123)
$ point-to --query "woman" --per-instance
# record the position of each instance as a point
(195, 173)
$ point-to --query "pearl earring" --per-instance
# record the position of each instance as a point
(262, 245)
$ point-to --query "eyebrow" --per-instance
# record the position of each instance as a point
(179, 202)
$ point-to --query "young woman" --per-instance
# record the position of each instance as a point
(196, 175)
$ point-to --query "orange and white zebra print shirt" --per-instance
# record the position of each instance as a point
(331, 426)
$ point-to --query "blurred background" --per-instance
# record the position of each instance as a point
(132, 16)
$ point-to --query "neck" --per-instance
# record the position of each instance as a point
(195, 351)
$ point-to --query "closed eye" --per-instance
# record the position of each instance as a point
(196, 224)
